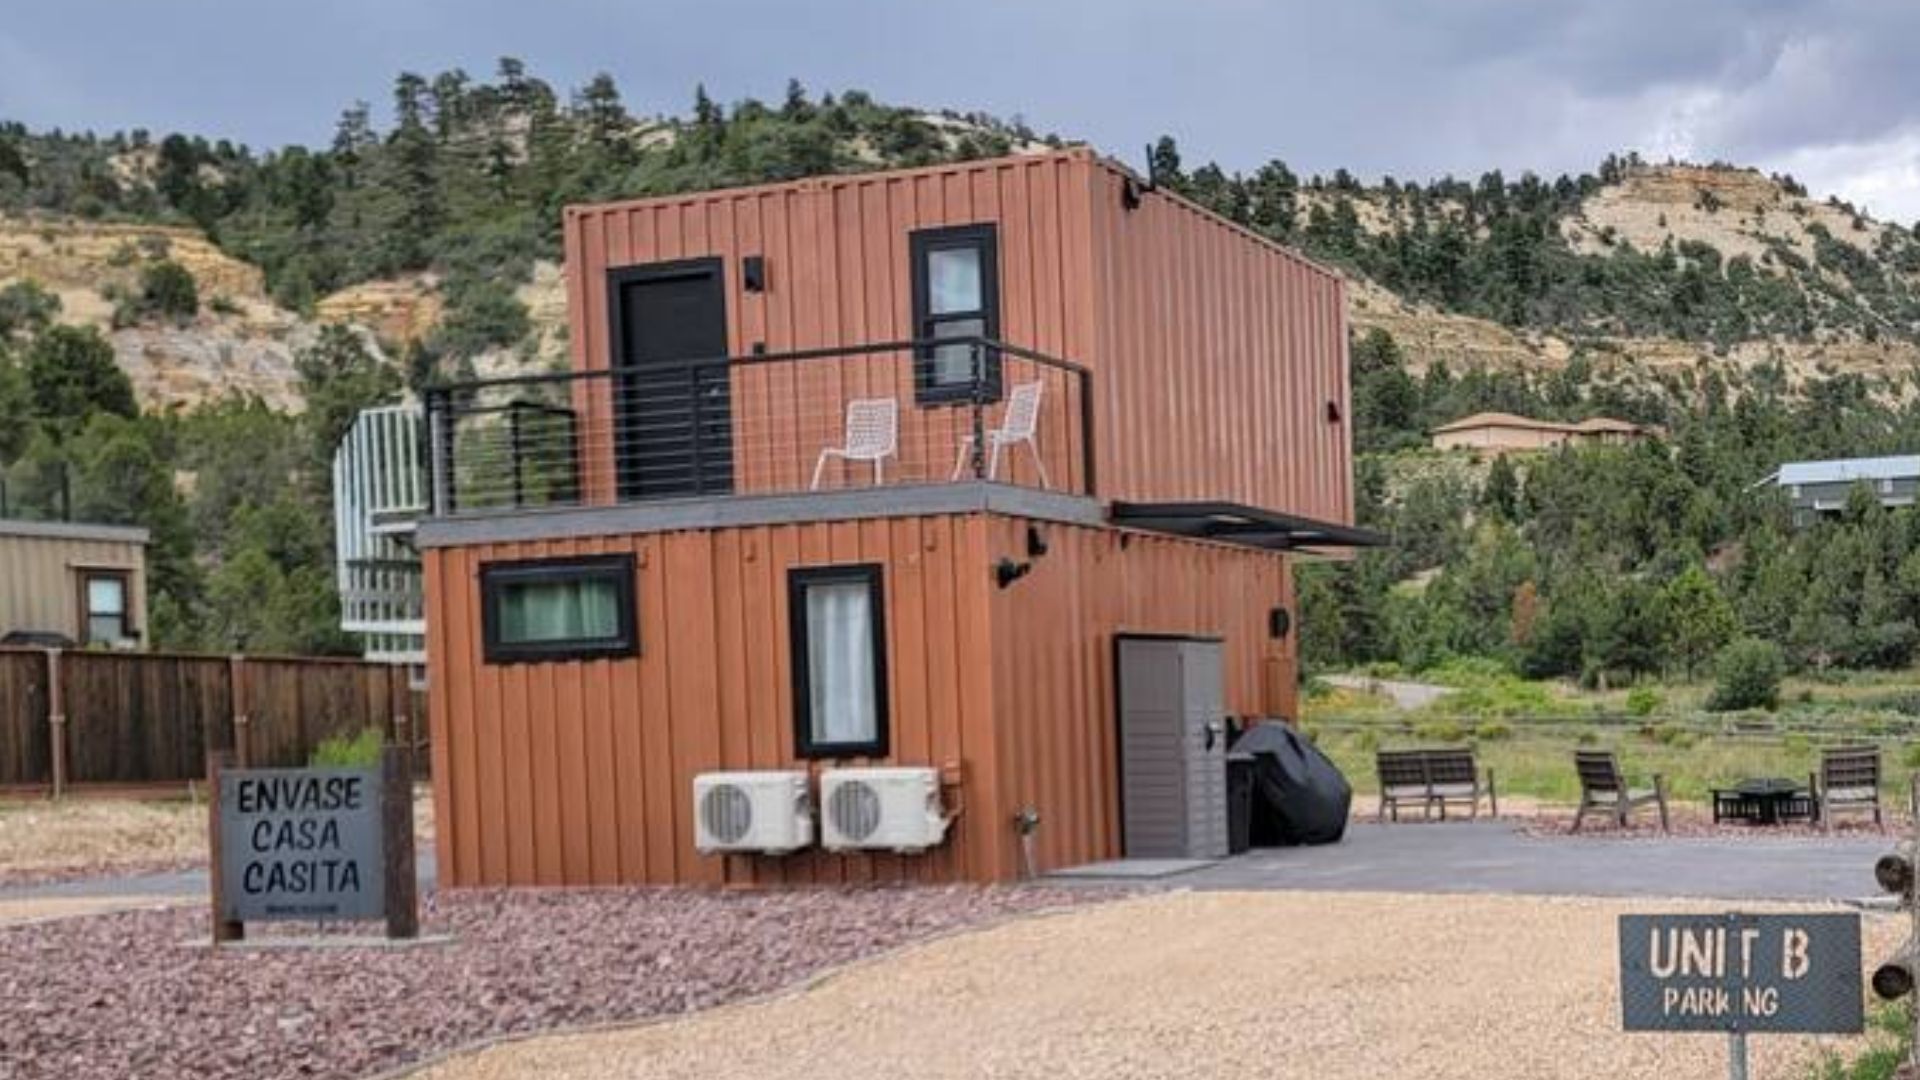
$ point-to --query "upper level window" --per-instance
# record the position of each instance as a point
(956, 294)
(558, 609)
(839, 660)
(104, 594)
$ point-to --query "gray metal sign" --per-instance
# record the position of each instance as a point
(1741, 973)
(301, 844)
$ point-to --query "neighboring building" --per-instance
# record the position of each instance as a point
(755, 528)
(379, 494)
(68, 584)
(1505, 433)
(1820, 488)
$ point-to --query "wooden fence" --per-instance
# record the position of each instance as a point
(120, 718)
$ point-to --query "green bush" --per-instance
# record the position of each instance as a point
(349, 752)
(1493, 731)
(1446, 731)
(1749, 672)
(1643, 700)
(167, 290)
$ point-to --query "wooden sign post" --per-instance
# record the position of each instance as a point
(318, 844)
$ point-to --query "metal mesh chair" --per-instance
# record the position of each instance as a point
(873, 434)
(1020, 424)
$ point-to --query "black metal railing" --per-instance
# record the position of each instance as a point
(892, 413)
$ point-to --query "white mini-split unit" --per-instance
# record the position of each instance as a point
(767, 812)
(891, 809)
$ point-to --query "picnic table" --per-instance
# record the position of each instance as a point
(1764, 801)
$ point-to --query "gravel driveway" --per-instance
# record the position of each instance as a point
(1327, 986)
(139, 994)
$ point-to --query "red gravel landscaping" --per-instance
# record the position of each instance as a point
(138, 995)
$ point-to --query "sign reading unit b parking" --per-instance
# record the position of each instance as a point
(1740, 973)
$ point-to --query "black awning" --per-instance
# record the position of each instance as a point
(1239, 524)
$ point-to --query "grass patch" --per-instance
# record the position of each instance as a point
(1887, 1036)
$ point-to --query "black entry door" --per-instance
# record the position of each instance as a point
(673, 420)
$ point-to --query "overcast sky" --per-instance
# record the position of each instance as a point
(1826, 89)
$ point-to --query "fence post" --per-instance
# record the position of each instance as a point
(56, 726)
(224, 929)
(237, 698)
(396, 808)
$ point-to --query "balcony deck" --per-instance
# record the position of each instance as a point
(795, 433)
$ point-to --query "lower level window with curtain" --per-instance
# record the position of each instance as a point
(558, 609)
(839, 660)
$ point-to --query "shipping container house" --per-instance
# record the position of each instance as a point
(66, 584)
(871, 469)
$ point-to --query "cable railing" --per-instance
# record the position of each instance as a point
(817, 420)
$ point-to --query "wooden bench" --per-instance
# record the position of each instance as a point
(1849, 780)
(1433, 778)
(1603, 787)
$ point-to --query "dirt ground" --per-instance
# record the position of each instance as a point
(89, 836)
(106, 835)
(1327, 986)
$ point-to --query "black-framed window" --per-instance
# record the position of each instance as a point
(558, 609)
(837, 617)
(956, 294)
(106, 606)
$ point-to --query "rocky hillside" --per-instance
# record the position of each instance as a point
(1826, 290)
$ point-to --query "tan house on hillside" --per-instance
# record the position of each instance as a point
(69, 584)
(1504, 433)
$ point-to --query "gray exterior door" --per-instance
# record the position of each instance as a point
(1173, 748)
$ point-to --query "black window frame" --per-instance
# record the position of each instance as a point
(921, 244)
(799, 580)
(495, 575)
(122, 577)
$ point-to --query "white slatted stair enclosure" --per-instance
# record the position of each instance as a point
(379, 496)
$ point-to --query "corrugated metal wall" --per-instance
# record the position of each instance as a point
(1054, 685)
(838, 274)
(1214, 353)
(40, 581)
(1218, 356)
(581, 772)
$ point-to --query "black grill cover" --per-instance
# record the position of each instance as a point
(1299, 797)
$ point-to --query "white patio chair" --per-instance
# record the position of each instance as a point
(873, 434)
(1019, 424)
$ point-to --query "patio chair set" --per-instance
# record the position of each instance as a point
(1848, 781)
(873, 435)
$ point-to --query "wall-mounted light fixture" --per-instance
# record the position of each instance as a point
(1279, 621)
(1006, 571)
(753, 273)
(1036, 542)
(1333, 412)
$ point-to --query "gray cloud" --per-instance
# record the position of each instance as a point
(1413, 88)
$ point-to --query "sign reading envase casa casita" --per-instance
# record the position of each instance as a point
(1741, 973)
(301, 844)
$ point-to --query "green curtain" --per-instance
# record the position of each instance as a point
(559, 611)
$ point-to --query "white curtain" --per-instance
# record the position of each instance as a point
(840, 663)
(560, 611)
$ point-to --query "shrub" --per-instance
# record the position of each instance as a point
(348, 752)
(167, 290)
(1493, 731)
(1749, 673)
(1446, 731)
(1643, 700)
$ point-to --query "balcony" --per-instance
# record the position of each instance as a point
(883, 416)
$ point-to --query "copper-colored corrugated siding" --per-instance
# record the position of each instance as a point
(582, 772)
(1053, 657)
(1214, 352)
(1218, 353)
(836, 251)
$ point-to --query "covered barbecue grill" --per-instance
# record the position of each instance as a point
(1299, 796)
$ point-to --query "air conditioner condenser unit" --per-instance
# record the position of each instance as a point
(767, 812)
(890, 809)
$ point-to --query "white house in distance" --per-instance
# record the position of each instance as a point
(1816, 489)
(379, 493)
